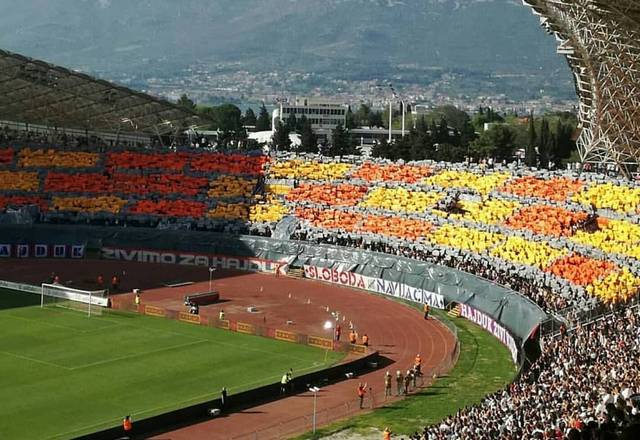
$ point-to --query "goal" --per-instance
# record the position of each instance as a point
(89, 302)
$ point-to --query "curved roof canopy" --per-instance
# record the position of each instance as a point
(36, 92)
(601, 40)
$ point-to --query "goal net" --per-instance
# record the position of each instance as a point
(89, 302)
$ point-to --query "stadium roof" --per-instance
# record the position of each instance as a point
(36, 92)
(601, 40)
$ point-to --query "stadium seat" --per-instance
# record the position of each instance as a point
(556, 189)
(19, 181)
(6, 156)
(29, 158)
(151, 161)
(373, 172)
(331, 195)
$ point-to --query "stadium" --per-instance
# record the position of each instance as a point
(244, 295)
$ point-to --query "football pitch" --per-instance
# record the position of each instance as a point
(63, 374)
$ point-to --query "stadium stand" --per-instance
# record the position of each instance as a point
(568, 243)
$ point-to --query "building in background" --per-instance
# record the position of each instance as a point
(324, 114)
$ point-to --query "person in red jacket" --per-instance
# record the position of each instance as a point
(362, 390)
(127, 425)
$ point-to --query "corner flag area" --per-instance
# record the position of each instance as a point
(63, 374)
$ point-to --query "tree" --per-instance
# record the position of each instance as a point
(249, 118)
(264, 120)
(545, 144)
(292, 123)
(307, 136)
(497, 142)
(186, 103)
(342, 143)
(361, 117)
(229, 118)
(530, 154)
(381, 149)
(374, 119)
(350, 121)
(281, 137)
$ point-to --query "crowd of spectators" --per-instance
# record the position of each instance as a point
(585, 385)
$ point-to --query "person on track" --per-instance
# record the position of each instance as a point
(387, 384)
(426, 309)
(337, 332)
(407, 382)
(399, 382)
(365, 340)
(417, 364)
(362, 391)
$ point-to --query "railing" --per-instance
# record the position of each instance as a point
(572, 316)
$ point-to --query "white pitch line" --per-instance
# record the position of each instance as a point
(134, 355)
(27, 358)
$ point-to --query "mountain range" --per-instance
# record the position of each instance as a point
(355, 38)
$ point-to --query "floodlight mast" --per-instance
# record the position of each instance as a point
(314, 390)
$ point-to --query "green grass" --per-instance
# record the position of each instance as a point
(484, 366)
(63, 374)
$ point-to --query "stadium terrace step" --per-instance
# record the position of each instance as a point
(295, 272)
(454, 312)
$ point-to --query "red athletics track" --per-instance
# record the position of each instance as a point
(395, 330)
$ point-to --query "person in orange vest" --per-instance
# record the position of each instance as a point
(386, 434)
(365, 340)
(362, 390)
(417, 364)
(352, 337)
(127, 425)
(425, 309)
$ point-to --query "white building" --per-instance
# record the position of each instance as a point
(324, 114)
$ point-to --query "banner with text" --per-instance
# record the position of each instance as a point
(377, 285)
(493, 327)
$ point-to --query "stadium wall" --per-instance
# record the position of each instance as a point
(392, 275)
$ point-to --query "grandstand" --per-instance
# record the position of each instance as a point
(34, 92)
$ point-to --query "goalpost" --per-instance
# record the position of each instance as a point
(87, 301)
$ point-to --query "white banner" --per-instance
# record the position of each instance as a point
(489, 324)
(74, 295)
(377, 285)
(192, 259)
